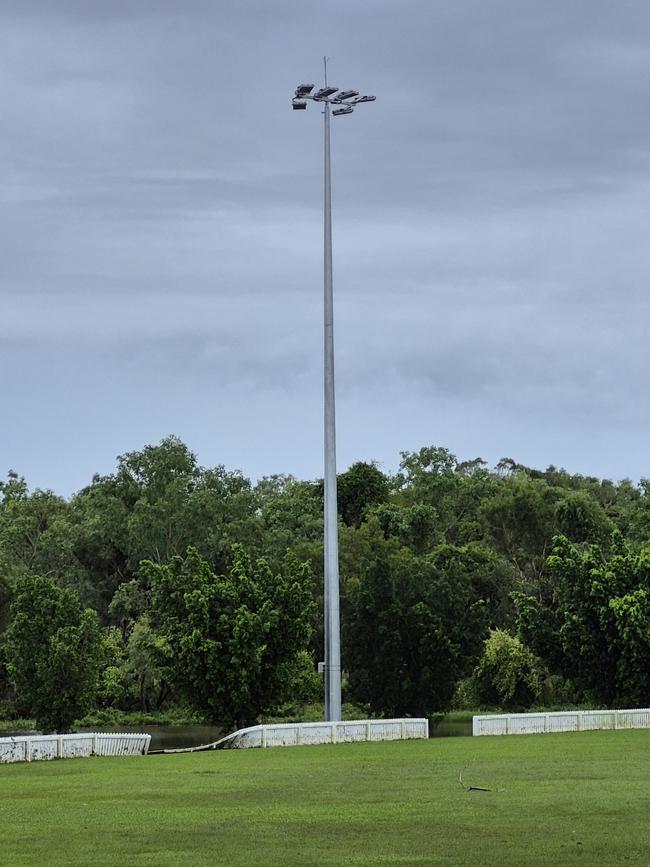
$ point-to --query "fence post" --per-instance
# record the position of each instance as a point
(333, 732)
(368, 730)
(578, 718)
(59, 747)
(263, 733)
(299, 735)
(507, 726)
(546, 724)
(28, 750)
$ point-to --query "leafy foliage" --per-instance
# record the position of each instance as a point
(413, 627)
(231, 641)
(508, 674)
(360, 487)
(54, 652)
(430, 559)
(599, 620)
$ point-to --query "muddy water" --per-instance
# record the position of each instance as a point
(177, 737)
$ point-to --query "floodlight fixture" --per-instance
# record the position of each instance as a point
(346, 110)
(324, 92)
(304, 89)
(347, 94)
(298, 104)
(364, 99)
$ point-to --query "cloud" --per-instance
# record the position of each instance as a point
(160, 228)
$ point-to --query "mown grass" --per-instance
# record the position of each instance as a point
(555, 800)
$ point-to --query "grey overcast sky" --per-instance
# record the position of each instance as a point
(161, 232)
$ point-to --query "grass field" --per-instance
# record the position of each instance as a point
(555, 800)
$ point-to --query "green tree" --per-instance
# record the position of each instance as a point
(435, 478)
(639, 516)
(413, 526)
(413, 627)
(232, 641)
(112, 688)
(508, 673)
(180, 503)
(581, 518)
(5, 601)
(146, 669)
(359, 487)
(101, 513)
(37, 534)
(54, 650)
(520, 521)
(130, 601)
(291, 516)
(134, 674)
(595, 628)
(157, 504)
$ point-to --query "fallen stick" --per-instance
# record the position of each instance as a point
(470, 788)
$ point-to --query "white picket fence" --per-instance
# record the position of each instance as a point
(560, 721)
(303, 734)
(32, 748)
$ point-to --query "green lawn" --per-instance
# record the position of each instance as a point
(555, 800)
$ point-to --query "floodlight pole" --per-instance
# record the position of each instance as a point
(331, 540)
(345, 102)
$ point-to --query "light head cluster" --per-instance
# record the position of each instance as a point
(346, 100)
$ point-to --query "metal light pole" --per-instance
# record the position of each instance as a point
(345, 102)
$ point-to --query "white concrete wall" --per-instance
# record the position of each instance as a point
(560, 721)
(31, 748)
(347, 731)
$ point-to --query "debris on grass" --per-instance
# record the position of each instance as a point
(471, 788)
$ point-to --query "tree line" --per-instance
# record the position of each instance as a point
(166, 583)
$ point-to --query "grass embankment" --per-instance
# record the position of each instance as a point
(555, 799)
(116, 719)
(312, 712)
(179, 716)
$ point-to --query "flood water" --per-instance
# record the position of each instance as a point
(451, 728)
(173, 737)
(162, 737)
(178, 737)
